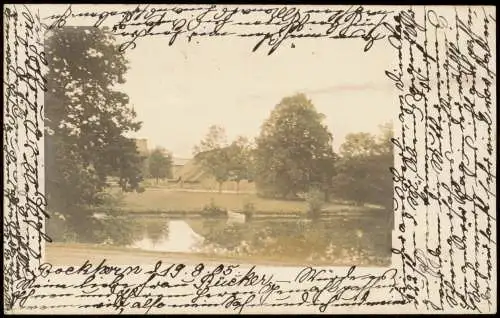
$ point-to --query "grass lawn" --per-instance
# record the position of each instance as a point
(167, 200)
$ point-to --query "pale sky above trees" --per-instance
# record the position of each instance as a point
(179, 91)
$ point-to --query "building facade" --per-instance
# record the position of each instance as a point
(142, 146)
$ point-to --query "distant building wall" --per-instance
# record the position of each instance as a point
(176, 171)
(178, 166)
(142, 146)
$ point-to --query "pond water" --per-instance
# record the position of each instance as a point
(340, 241)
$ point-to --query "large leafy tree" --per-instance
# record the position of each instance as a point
(87, 119)
(160, 164)
(213, 155)
(240, 161)
(294, 150)
(363, 174)
(358, 145)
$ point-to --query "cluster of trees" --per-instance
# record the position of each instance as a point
(363, 174)
(158, 165)
(225, 161)
(293, 156)
(294, 150)
(87, 121)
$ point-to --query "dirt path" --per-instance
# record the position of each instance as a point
(71, 254)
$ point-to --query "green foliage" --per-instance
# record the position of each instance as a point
(58, 230)
(363, 170)
(294, 150)
(86, 120)
(125, 163)
(358, 145)
(213, 154)
(160, 164)
(85, 227)
(225, 161)
(213, 210)
(113, 228)
(240, 161)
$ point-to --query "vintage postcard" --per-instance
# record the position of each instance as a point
(239, 159)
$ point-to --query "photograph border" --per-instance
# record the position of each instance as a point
(25, 202)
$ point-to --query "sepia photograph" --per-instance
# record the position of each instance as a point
(163, 159)
(207, 152)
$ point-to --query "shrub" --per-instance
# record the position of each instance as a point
(315, 201)
(56, 228)
(249, 210)
(213, 210)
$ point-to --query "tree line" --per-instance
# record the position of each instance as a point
(87, 120)
(158, 164)
(293, 155)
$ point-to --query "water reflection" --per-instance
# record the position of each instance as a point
(169, 236)
(338, 242)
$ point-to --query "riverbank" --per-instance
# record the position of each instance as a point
(72, 254)
(184, 203)
(262, 215)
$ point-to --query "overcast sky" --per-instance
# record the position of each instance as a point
(179, 91)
